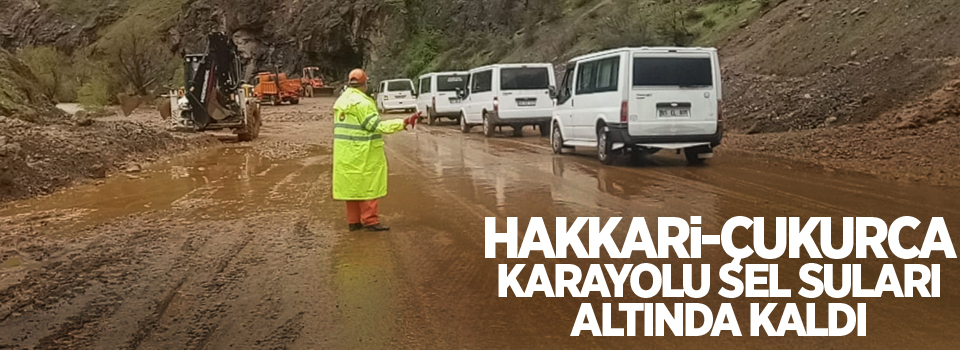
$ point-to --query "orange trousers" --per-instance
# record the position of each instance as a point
(363, 212)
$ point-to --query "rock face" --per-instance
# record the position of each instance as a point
(33, 22)
(335, 35)
(291, 34)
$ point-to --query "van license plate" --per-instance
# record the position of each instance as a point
(673, 112)
(526, 103)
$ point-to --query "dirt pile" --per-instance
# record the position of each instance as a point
(917, 143)
(42, 148)
(38, 158)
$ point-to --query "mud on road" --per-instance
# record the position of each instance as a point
(241, 246)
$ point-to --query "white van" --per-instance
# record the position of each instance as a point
(512, 95)
(438, 95)
(397, 94)
(641, 100)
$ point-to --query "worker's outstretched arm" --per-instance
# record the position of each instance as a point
(372, 123)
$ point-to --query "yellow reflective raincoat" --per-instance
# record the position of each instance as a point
(359, 163)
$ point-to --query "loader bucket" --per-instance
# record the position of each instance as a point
(128, 103)
(165, 109)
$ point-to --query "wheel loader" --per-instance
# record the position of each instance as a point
(214, 96)
(313, 83)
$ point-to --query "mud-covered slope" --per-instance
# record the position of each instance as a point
(806, 65)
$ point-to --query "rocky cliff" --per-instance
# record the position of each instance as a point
(291, 34)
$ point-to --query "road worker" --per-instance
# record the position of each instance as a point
(359, 163)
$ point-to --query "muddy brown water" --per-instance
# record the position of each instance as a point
(234, 248)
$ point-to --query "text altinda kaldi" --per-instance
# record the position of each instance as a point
(740, 238)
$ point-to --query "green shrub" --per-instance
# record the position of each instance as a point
(693, 15)
(421, 50)
(94, 94)
(709, 23)
(51, 67)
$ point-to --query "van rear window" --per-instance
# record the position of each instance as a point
(672, 71)
(402, 85)
(524, 78)
(451, 82)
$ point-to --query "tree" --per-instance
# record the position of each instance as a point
(139, 57)
(50, 66)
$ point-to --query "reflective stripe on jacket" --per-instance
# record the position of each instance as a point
(359, 163)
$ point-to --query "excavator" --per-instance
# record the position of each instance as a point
(313, 83)
(214, 96)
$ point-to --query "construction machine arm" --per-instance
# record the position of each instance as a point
(215, 80)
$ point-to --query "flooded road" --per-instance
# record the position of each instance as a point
(242, 247)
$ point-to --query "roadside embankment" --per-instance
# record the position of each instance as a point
(43, 148)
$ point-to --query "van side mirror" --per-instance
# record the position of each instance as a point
(553, 92)
(461, 93)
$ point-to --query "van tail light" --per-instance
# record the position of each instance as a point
(496, 104)
(624, 112)
(719, 112)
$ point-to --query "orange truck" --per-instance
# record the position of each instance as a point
(269, 88)
(313, 83)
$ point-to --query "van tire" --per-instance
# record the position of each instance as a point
(604, 145)
(464, 127)
(556, 140)
(487, 127)
(693, 155)
(636, 155)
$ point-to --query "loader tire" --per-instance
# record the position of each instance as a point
(254, 122)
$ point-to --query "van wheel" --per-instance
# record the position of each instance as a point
(636, 155)
(693, 155)
(544, 129)
(487, 126)
(604, 146)
(431, 117)
(556, 141)
(518, 131)
(464, 127)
